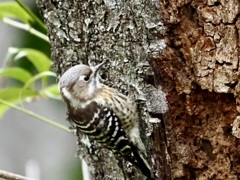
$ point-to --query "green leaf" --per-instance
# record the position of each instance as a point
(12, 95)
(42, 76)
(12, 51)
(13, 10)
(31, 14)
(40, 60)
(52, 92)
(16, 73)
(38, 76)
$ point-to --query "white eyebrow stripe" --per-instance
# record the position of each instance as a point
(66, 93)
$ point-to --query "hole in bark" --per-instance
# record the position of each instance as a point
(207, 147)
(217, 3)
(149, 79)
(199, 123)
(178, 118)
(223, 63)
(189, 11)
(103, 76)
(55, 3)
(228, 63)
(232, 84)
(227, 130)
(192, 172)
(195, 142)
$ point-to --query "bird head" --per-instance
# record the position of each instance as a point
(80, 82)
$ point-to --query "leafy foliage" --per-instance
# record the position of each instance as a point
(28, 89)
(16, 73)
(13, 10)
(11, 95)
(18, 11)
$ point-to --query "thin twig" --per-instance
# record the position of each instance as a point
(41, 118)
(12, 176)
(25, 27)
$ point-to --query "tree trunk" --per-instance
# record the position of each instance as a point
(126, 33)
(199, 72)
(194, 57)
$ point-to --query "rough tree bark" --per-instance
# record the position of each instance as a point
(194, 57)
(126, 33)
(199, 71)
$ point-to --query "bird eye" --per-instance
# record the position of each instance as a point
(85, 78)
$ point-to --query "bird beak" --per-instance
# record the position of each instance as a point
(96, 68)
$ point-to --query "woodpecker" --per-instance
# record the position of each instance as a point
(103, 114)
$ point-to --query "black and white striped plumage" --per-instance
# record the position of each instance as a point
(102, 113)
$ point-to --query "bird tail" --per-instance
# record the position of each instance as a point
(141, 163)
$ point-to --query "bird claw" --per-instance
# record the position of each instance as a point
(141, 96)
